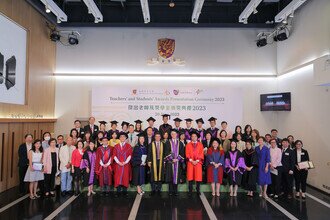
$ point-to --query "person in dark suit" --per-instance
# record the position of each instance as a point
(91, 127)
(288, 163)
(300, 175)
(151, 122)
(77, 126)
(274, 134)
(23, 161)
(149, 138)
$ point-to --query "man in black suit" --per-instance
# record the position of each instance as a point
(149, 138)
(77, 126)
(274, 134)
(165, 127)
(23, 161)
(92, 128)
(288, 162)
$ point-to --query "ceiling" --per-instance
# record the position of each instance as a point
(128, 13)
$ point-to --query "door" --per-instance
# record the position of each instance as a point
(4, 135)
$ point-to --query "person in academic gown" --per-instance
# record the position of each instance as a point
(250, 175)
(200, 129)
(264, 178)
(77, 126)
(213, 129)
(165, 127)
(177, 126)
(88, 165)
(174, 157)
(182, 138)
(139, 163)
(300, 175)
(189, 129)
(288, 164)
(195, 159)
(138, 126)
(156, 163)
(132, 136)
(103, 128)
(215, 161)
(235, 166)
(103, 168)
(124, 126)
(113, 128)
(151, 122)
(91, 127)
(122, 154)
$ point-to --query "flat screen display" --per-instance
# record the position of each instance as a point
(275, 102)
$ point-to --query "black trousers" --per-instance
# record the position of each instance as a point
(156, 186)
(191, 186)
(173, 188)
(287, 182)
(275, 187)
(121, 189)
(50, 181)
(300, 177)
(21, 172)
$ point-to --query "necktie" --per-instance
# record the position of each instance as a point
(131, 138)
(157, 146)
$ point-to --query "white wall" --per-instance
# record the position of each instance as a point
(206, 50)
(310, 37)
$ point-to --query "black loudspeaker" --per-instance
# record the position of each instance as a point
(10, 72)
(1, 67)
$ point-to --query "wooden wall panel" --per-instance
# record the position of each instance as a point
(43, 127)
(31, 128)
(16, 137)
(41, 58)
(3, 156)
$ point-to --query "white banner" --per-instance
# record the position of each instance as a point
(129, 104)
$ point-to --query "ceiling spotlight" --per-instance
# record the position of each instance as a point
(171, 4)
(47, 9)
(255, 10)
(73, 39)
(282, 34)
(55, 36)
(262, 40)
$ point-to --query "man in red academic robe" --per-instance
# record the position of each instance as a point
(103, 168)
(122, 154)
(195, 158)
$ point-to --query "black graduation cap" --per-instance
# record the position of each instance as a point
(138, 121)
(114, 122)
(212, 119)
(151, 119)
(200, 120)
(103, 122)
(123, 133)
(188, 119)
(177, 119)
(141, 134)
(124, 123)
(166, 115)
(194, 132)
(175, 130)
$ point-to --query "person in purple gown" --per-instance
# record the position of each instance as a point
(234, 167)
(88, 167)
(264, 178)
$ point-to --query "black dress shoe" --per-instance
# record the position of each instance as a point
(190, 194)
(176, 194)
(117, 195)
(63, 193)
(198, 193)
(170, 194)
(106, 193)
(152, 193)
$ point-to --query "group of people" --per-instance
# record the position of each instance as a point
(169, 155)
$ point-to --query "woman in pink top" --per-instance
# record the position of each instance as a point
(275, 168)
(75, 163)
